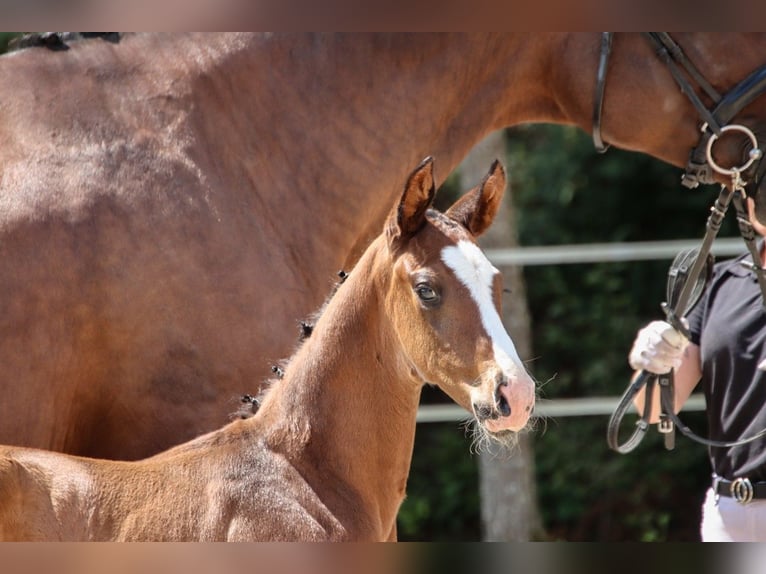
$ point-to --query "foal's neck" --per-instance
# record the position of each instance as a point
(348, 401)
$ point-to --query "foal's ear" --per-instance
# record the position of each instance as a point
(477, 208)
(409, 214)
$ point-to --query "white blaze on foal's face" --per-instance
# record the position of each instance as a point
(473, 269)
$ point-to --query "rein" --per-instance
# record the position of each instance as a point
(691, 269)
(687, 278)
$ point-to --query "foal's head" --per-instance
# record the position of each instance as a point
(444, 300)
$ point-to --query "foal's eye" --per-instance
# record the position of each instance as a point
(426, 293)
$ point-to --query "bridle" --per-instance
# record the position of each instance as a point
(689, 271)
(715, 121)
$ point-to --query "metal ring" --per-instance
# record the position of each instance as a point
(742, 490)
(754, 154)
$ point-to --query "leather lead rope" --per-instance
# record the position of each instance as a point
(674, 311)
(668, 410)
(748, 234)
(669, 420)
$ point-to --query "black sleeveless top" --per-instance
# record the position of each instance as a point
(729, 325)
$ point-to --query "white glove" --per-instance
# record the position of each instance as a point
(658, 348)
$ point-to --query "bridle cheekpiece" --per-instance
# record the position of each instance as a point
(715, 122)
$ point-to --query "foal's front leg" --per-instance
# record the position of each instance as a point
(392, 535)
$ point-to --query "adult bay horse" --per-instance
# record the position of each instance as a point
(170, 204)
(326, 457)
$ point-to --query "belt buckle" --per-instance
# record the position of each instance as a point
(742, 490)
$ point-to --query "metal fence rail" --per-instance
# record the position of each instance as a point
(546, 408)
(607, 252)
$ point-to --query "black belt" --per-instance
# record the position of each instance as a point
(740, 489)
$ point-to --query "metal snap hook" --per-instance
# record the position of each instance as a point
(754, 154)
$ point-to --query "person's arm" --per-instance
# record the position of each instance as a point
(658, 348)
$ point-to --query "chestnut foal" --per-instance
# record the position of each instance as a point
(327, 455)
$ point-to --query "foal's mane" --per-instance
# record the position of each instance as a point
(251, 403)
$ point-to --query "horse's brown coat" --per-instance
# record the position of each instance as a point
(169, 205)
(327, 455)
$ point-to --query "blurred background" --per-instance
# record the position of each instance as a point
(575, 322)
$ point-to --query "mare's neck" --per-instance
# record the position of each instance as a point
(346, 407)
(348, 115)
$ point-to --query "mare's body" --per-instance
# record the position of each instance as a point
(158, 242)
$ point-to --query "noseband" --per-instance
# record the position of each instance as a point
(715, 121)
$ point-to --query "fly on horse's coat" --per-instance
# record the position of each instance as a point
(327, 454)
(159, 242)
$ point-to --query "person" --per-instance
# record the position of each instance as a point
(727, 354)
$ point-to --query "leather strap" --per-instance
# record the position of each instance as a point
(741, 489)
(598, 97)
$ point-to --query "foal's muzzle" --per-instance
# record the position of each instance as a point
(508, 407)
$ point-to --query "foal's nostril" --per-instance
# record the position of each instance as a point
(503, 407)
